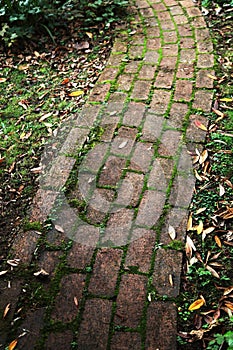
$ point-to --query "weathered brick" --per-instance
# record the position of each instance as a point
(177, 114)
(185, 71)
(142, 157)
(160, 174)
(118, 227)
(150, 208)
(126, 341)
(59, 341)
(147, 72)
(153, 32)
(119, 46)
(109, 124)
(205, 61)
(124, 81)
(203, 80)
(161, 326)
(138, 39)
(194, 133)
(181, 195)
(170, 3)
(141, 90)
(132, 67)
(198, 22)
(112, 171)
(163, 16)
(160, 101)
(116, 60)
(147, 12)
(187, 56)
(79, 256)
(193, 12)
(159, 7)
(185, 30)
(170, 143)
(183, 90)
(130, 301)
(181, 19)
(187, 43)
(176, 10)
(151, 57)
(108, 74)
(186, 3)
(170, 50)
(135, 51)
(164, 79)
(167, 267)
(134, 114)
(105, 272)
(94, 159)
(123, 143)
(140, 249)
(177, 218)
(152, 127)
(65, 309)
(24, 246)
(93, 332)
(168, 25)
(130, 189)
(203, 100)
(205, 46)
(170, 37)
(99, 93)
(202, 35)
(49, 261)
(86, 118)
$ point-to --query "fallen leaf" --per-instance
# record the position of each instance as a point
(219, 113)
(76, 93)
(199, 211)
(199, 228)
(45, 116)
(190, 223)
(212, 77)
(13, 262)
(171, 232)
(123, 144)
(218, 241)
(226, 99)
(42, 272)
(13, 344)
(198, 177)
(171, 280)
(3, 272)
(197, 304)
(90, 35)
(203, 156)
(36, 53)
(23, 66)
(200, 125)
(2, 80)
(76, 301)
(82, 46)
(228, 290)
(208, 230)
(65, 81)
(59, 228)
(7, 309)
(229, 305)
(221, 190)
(212, 271)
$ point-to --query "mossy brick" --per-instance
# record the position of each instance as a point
(138, 39)
(111, 172)
(176, 10)
(205, 61)
(94, 159)
(151, 57)
(115, 60)
(140, 250)
(193, 133)
(193, 12)
(105, 272)
(159, 7)
(147, 72)
(134, 114)
(129, 191)
(185, 71)
(187, 43)
(164, 79)
(99, 92)
(59, 340)
(202, 34)
(181, 19)
(170, 37)
(181, 195)
(147, 12)
(198, 22)
(122, 144)
(168, 265)
(150, 208)
(136, 51)
(183, 90)
(169, 143)
(130, 301)
(160, 174)
(153, 44)
(80, 254)
(153, 32)
(160, 101)
(205, 46)
(177, 114)
(163, 16)
(203, 100)
(48, 261)
(71, 287)
(126, 341)
(141, 90)
(161, 326)
(170, 50)
(141, 4)
(132, 67)
(185, 30)
(94, 328)
(168, 25)
(109, 124)
(119, 46)
(24, 246)
(108, 74)
(187, 56)
(203, 79)
(118, 227)
(124, 82)
(177, 218)
(77, 136)
(142, 157)
(152, 127)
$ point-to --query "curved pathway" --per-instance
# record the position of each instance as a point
(115, 286)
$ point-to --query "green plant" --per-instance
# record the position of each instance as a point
(221, 339)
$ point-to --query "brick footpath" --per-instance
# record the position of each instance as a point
(114, 272)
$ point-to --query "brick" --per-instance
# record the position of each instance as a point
(152, 127)
(198, 22)
(79, 256)
(59, 341)
(186, 3)
(168, 25)
(170, 3)
(151, 57)
(117, 97)
(203, 100)
(132, 67)
(147, 72)
(142, 157)
(134, 114)
(167, 263)
(177, 218)
(185, 71)
(140, 250)
(205, 46)
(147, 12)
(126, 341)
(153, 32)
(111, 172)
(193, 133)
(138, 39)
(119, 46)
(135, 51)
(24, 246)
(142, 4)
(151, 22)
(109, 125)
(99, 93)
(185, 30)
(150, 208)
(170, 143)
(94, 159)
(187, 43)
(181, 19)
(141, 90)
(116, 60)
(153, 44)
(205, 61)
(170, 37)
(203, 80)
(202, 35)
(76, 136)
(93, 332)
(157, 178)
(193, 12)
(177, 114)
(118, 227)
(49, 261)
(33, 324)
(71, 287)
(170, 50)
(130, 301)
(181, 194)
(108, 74)
(164, 16)
(187, 56)
(176, 10)
(105, 272)
(183, 90)
(160, 101)
(130, 189)
(86, 118)
(161, 326)
(124, 81)
(122, 144)
(164, 79)
(159, 7)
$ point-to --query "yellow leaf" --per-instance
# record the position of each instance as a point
(196, 304)
(190, 223)
(76, 93)
(13, 344)
(199, 211)
(23, 66)
(2, 80)
(7, 308)
(198, 177)
(90, 35)
(218, 241)
(212, 77)
(208, 230)
(226, 99)
(199, 228)
(200, 125)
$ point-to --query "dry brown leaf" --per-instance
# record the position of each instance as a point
(42, 272)
(197, 304)
(199, 211)
(229, 305)
(190, 223)
(198, 177)
(212, 271)
(7, 309)
(221, 190)
(199, 125)
(208, 230)
(171, 280)
(203, 156)
(218, 241)
(59, 228)
(2, 80)
(13, 344)
(216, 111)
(228, 290)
